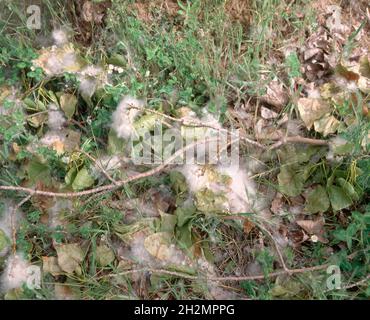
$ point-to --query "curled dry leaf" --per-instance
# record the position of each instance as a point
(160, 246)
(268, 114)
(311, 110)
(90, 13)
(328, 124)
(314, 228)
(276, 95)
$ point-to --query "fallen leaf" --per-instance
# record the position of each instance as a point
(69, 257)
(64, 292)
(338, 198)
(347, 74)
(104, 255)
(314, 227)
(268, 114)
(248, 226)
(317, 200)
(276, 95)
(326, 125)
(55, 61)
(50, 265)
(290, 180)
(83, 180)
(160, 246)
(311, 110)
(4, 243)
(90, 12)
(68, 104)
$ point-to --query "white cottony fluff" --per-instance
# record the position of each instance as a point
(240, 191)
(91, 78)
(124, 116)
(15, 273)
(60, 37)
(56, 118)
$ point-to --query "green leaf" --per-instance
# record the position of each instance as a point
(178, 182)
(338, 198)
(184, 214)
(117, 60)
(146, 122)
(83, 180)
(210, 202)
(38, 171)
(68, 104)
(348, 188)
(70, 176)
(168, 222)
(317, 200)
(184, 238)
(290, 181)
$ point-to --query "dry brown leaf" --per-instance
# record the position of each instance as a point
(311, 110)
(64, 292)
(50, 265)
(326, 125)
(69, 257)
(314, 228)
(248, 226)
(276, 95)
(268, 114)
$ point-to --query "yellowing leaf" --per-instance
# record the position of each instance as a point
(50, 265)
(326, 125)
(69, 257)
(160, 246)
(4, 242)
(83, 180)
(104, 255)
(68, 104)
(311, 110)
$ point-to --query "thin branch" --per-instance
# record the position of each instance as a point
(280, 255)
(358, 283)
(227, 278)
(299, 139)
(99, 166)
(112, 186)
(197, 123)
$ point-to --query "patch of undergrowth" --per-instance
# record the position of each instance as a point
(202, 57)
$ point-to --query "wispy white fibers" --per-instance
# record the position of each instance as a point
(15, 273)
(124, 116)
(232, 181)
(56, 118)
(60, 37)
